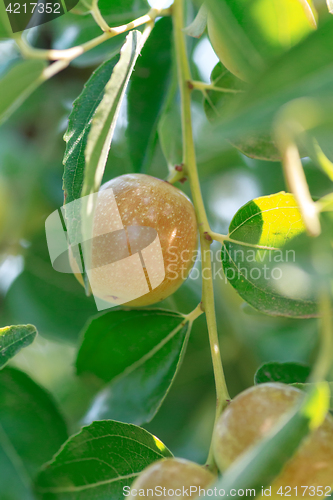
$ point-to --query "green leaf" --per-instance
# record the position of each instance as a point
(248, 37)
(286, 373)
(16, 85)
(79, 125)
(198, 25)
(5, 29)
(255, 262)
(76, 138)
(147, 91)
(101, 133)
(305, 70)
(216, 102)
(104, 120)
(260, 145)
(13, 339)
(169, 127)
(264, 461)
(119, 11)
(39, 293)
(230, 33)
(31, 431)
(98, 462)
(138, 352)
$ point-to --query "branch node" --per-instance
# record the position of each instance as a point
(207, 236)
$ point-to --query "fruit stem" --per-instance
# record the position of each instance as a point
(190, 169)
(294, 119)
(69, 54)
(193, 315)
(322, 160)
(184, 76)
(221, 238)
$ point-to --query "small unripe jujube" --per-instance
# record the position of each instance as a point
(252, 414)
(172, 474)
(142, 201)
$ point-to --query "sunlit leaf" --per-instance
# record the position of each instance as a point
(307, 386)
(258, 265)
(304, 71)
(247, 36)
(330, 6)
(98, 462)
(13, 339)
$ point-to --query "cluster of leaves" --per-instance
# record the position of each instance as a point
(134, 355)
(107, 455)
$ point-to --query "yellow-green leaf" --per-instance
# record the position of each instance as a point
(258, 266)
(13, 339)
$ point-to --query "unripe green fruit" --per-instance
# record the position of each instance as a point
(142, 201)
(252, 414)
(172, 474)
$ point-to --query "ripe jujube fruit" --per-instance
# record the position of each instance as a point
(172, 474)
(134, 208)
(252, 414)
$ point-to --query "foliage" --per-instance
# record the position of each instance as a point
(125, 86)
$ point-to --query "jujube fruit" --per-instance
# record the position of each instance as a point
(252, 414)
(172, 474)
(142, 202)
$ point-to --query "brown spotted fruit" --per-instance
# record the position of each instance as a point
(252, 414)
(144, 240)
(172, 478)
